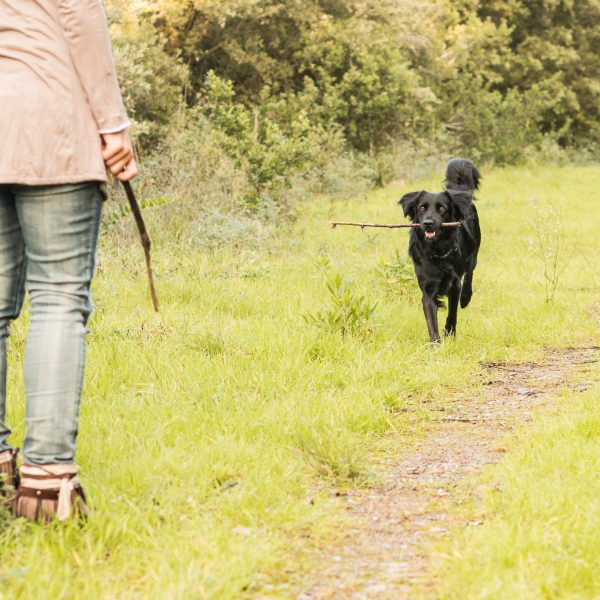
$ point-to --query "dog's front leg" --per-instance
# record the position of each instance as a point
(453, 296)
(430, 310)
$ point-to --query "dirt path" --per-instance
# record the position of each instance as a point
(384, 553)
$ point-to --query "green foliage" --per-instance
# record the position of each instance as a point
(268, 152)
(551, 247)
(496, 127)
(226, 230)
(347, 313)
(554, 45)
(360, 81)
(313, 95)
(397, 273)
(539, 537)
(121, 210)
(223, 426)
(152, 81)
(338, 462)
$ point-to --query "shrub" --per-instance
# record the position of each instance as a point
(268, 151)
(217, 229)
(152, 82)
(347, 313)
(551, 244)
(396, 274)
(491, 126)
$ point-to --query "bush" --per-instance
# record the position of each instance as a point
(490, 126)
(348, 313)
(241, 107)
(152, 82)
(397, 273)
(269, 152)
(367, 88)
(216, 229)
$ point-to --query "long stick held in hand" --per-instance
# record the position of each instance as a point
(334, 224)
(144, 237)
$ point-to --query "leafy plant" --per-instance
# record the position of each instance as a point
(396, 273)
(151, 80)
(121, 210)
(550, 234)
(347, 313)
(270, 152)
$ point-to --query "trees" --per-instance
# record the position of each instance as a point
(554, 47)
(486, 77)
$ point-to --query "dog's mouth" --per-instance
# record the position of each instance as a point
(430, 234)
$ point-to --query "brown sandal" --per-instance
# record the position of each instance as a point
(50, 492)
(9, 476)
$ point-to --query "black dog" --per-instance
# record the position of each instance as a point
(443, 255)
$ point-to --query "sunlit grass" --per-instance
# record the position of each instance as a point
(541, 535)
(206, 429)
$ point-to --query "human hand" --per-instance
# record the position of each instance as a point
(118, 155)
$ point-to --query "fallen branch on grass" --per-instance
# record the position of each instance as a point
(334, 224)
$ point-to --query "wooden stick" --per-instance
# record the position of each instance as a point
(144, 238)
(334, 224)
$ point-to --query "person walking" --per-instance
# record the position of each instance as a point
(62, 125)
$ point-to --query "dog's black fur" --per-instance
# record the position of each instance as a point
(443, 255)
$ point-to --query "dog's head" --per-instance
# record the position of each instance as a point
(430, 209)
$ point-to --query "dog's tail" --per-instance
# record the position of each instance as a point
(462, 175)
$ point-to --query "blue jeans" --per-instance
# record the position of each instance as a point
(48, 237)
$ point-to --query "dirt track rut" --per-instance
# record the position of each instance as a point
(385, 553)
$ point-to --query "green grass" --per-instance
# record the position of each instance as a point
(206, 429)
(541, 537)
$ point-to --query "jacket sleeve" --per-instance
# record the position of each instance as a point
(86, 31)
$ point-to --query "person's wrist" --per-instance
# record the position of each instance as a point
(122, 127)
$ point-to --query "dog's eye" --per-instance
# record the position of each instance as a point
(422, 208)
(442, 210)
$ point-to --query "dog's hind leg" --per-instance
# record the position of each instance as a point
(467, 287)
(430, 310)
(453, 295)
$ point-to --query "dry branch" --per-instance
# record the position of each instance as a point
(144, 238)
(334, 224)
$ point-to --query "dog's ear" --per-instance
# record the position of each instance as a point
(462, 202)
(409, 203)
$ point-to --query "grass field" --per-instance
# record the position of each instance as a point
(205, 430)
(541, 535)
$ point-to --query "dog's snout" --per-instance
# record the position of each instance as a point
(428, 223)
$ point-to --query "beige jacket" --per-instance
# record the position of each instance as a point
(58, 91)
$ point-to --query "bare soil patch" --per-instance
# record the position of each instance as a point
(386, 551)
